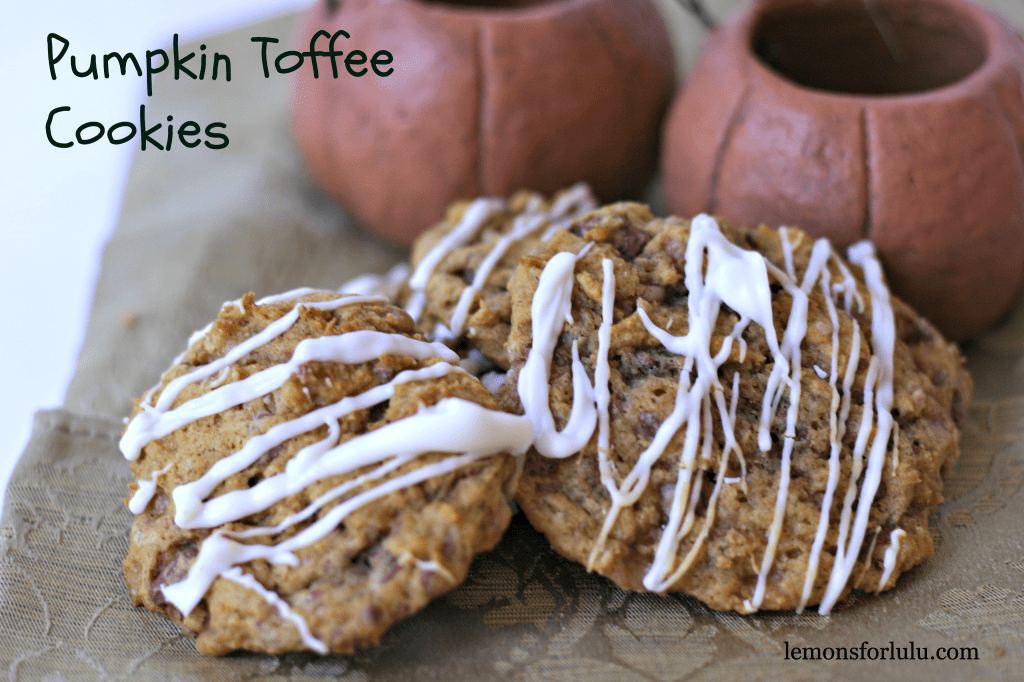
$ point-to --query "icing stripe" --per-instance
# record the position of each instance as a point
(733, 276)
(188, 498)
(575, 202)
(796, 330)
(147, 488)
(883, 341)
(837, 429)
(386, 285)
(602, 396)
(551, 306)
(522, 226)
(145, 422)
(216, 557)
(569, 205)
(891, 554)
(283, 609)
(478, 213)
(436, 428)
(452, 425)
(717, 272)
(351, 348)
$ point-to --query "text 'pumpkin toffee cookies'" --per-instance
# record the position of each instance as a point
(309, 472)
(461, 266)
(743, 417)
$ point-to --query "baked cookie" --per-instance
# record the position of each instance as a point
(310, 471)
(741, 416)
(460, 267)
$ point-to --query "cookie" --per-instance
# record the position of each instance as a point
(741, 416)
(310, 471)
(460, 268)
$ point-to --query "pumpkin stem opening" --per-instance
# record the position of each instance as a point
(487, 4)
(869, 47)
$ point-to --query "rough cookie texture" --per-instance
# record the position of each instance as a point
(567, 500)
(486, 325)
(385, 560)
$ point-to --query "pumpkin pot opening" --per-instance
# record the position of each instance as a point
(869, 48)
(900, 121)
(334, 5)
(487, 4)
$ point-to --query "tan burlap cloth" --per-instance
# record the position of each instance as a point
(199, 227)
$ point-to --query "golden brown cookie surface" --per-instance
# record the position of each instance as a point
(362, 522)
(457, 290)
(695, 514)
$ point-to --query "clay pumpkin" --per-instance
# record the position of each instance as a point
(485, 99)
(901, 121)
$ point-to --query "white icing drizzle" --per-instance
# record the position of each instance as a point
(445, 427)
(283, 609)
(522, 226)
(733, 276)
(857, 463)
(386, 285)
(570, 205)
(478, 213)
(220, 378)
(144, 494)
(847, 287)
(188, 498)
(739, 279)
(741, 282)
(891, 554)
(576, 201)
(787, 252)
(869, 554)
(838, 412)
(436, 428)
(551, 306)
(796, 329)
(883, 341)
(427, 566)
(688, 560)
(450, 426)
(465, 429)
(278, 298)
(195, 336)
(602, 372)
(151, 419)
(351, 348)
(602, 397)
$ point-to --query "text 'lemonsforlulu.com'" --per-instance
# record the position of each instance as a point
(866, 652)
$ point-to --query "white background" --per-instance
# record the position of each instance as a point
(58, 206)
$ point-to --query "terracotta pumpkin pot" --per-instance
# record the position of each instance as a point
(903, 125)
(486, 98)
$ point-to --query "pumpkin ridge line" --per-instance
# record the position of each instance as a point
(614, 52)
(865, 129)
(1018, 149)
(1018, 143)
(483, 111)
(737, 115)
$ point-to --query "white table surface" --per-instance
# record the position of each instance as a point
(58, 206)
